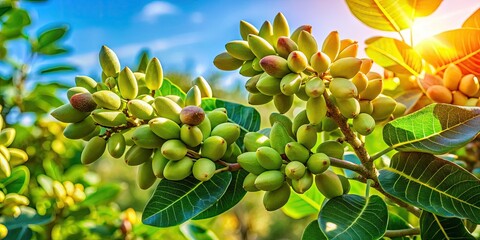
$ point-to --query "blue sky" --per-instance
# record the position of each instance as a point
(187, 35)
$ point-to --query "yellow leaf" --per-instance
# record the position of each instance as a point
(423, 8)
(459, 46)
(473, 21)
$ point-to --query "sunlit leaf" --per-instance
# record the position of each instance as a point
(423, 8)
(57, 68)
(432, 184)
(194, 232)
(459, 46)
(313, 232)
(175, 202)
(437, 129)
(302, 205)
(18, 180)
(103, 194)
(168, 88)
(354, 217)
(386, 15)
(50, 36)
(473, 21)
(436, 227)
(394, 55)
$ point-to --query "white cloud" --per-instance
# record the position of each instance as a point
(153, 10)
(197, 17)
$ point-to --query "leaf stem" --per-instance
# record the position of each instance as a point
(367, 190)
(402, 232)
(348, 165)
(380, 154)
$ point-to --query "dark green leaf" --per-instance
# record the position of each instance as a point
(58, 68)
(313, 232)
(27, 217)
(436, 227)
(23, 233)
(4, 8)
(354, 217)
(143, 60)
(17, 18)
(432, 184)
(232, 196)
(395, 222)
(18, 180)
(50, 36)
(195, 232)
(168, 88)
(175, 202)
(52, 49)
(103, 194)
(302, 205)
(437, 128)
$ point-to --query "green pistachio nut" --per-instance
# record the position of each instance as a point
(154, 74)
(239, 49)
(320, 62)
(93, 150)
(74, 90)
(295, 170)
(297, 61)
(109, 62)
(343, 88)
(400, 109)
(345, 183)
(141, 109)
(127, 134)
(83, 102)
(177, 99)
(345, 67)
(282, 119)
(316, 109)
(95, 132)
(301, 185)
(266, 32)
(279, 137)
(217, 117)
(205, 89)
(116, 145)
(301, 94)
(127, 84)
(268, 85)
(273, 200)
(5, 169)
(80, 129)
(290, 84)
(285, 46)
(102, 86)
(307, 44)
(68, 114)
(307, 135)
(144, 137)
(203, 169)
(361, 81)
(366, 106)
(331, 45)
(109, 118)
(236, 151)
(174, 149)
(145, 176)
(254, 140)
(299, 120)
(283, 103)
(17, 156)
(5, 152)
(167, 108)
(107, 99)
(296, 33)
(7, 135)
(224, 61)
(374, 88)
(158, 163)
(364, 124)
(191, 135)
(194, 97)
(280, 26)
(260, 47)
(258, 98)
(178, 170)
(251, 84)
(137, 155)
(164, 128)
(249, 162)
(268, 158)
(269, 180)
(331, 148)
(349, 107)
(87, 83)
(206, 128)
(249, 183)
(329, 184)
(214, 147)
(275, 66)
(256, 65)
(142, 86)
(318, 163)
(297, 152)
(383, 107)
(315, 87)
(246, 28)
(228, 131)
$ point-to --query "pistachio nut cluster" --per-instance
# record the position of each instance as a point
(127, 116)
(67, 194)
(456, 88)
(9, 157)
(10, 204)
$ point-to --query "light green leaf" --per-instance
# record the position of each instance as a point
(194, 232)
(458, 46)
(436, 227)
(354, 217)
(168, 88)
(394, 55)
(175, 202)
(313, 232)
(432, 184)
(395, 222)
(18, 180)
(302, 205)
(437, 129)
(103, 194)
(57, 68)
(50, 36)
(473, 21)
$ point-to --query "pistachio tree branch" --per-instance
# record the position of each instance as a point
(402, 232)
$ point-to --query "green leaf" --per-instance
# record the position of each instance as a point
(18, 180)
(232, 196)
(436, 227)
(52, 49)
(302, 205)
(175, 202)
(432, 184)
(458, 46)
(473, 21)
(103, 194)
(143, 60)
(395, 222)
(17, 18)
(51, 35)
(354, 217)
(27, 217)
(52, 169)
(386, 15)
(20, 234)
(313, 232)
(194, 232)
(168, 88)
(57, 68)
(437, 129)
(394, 55)
(46, 183)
